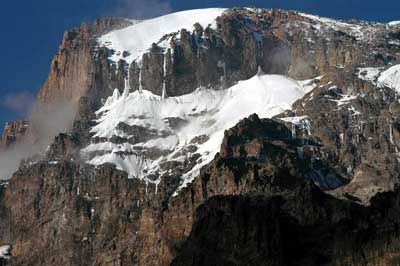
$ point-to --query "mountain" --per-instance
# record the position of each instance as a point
(239, 136)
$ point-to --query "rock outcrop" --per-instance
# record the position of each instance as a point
(13, 132)
(303, 227)
(78, 68)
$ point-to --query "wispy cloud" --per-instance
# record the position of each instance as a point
(140, 9)
(48, 121)
(20, 103)
(45, 122)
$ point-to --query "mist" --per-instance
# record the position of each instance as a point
(45, 122)
(139, 9)
(20, 103)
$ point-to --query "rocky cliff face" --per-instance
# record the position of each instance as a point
(13, 132)
(303, 227)
(264, 198)
(74, 70)
(72, 73)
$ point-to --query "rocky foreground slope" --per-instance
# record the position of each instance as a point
(180, 174)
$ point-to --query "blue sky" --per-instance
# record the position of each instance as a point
(32, 30)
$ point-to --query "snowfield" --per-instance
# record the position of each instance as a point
(382, 78)
(5, 252)
(391, 78)
(356, 30)
(206, 112)
(138, 38)
(394, 23)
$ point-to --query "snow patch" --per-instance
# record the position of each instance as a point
(299, 122)
(390, 78)
(5, 252)
(369, 74)
(353, 29)
(394, 23)
(346, 99)
(382, 78)
(296, 120)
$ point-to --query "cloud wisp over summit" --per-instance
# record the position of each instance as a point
(139, 9)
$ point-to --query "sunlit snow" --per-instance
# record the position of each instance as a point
(5, 252)
(207, 112)
(369, 73)
(390, 78)
(382, 78)
(353, 29)
(394, 23)
(138, 38)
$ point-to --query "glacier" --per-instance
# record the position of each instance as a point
(206, 112)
